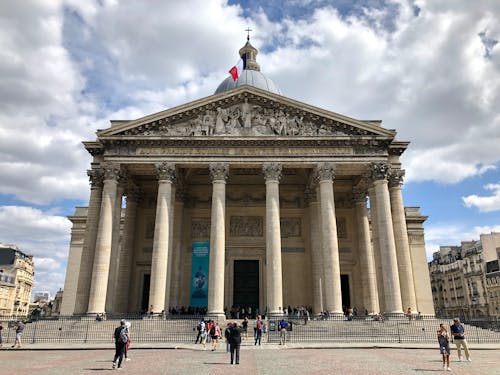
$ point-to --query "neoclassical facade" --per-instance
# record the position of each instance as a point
(275, 189)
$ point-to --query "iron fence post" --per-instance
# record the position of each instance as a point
(86, 331)
(399, 333)
(34, 333)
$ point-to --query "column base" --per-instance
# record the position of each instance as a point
(216, 316)
(276, 315)
(395, 315)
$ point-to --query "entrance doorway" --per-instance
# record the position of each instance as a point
(246, 284)
(146, 280)
(346, 294)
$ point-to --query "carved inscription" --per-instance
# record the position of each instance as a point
(200, 227)
(246, 226)
(290, 227)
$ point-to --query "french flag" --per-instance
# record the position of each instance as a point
(236, 70)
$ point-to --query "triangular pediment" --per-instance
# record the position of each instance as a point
(245, 112)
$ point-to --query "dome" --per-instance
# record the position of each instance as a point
(249, 77)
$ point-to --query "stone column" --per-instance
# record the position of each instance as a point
(100, 272)
(366, 257)
(274, 277)
(114, 263)
(177, 246)
(331, 263)
(216, 272)
(401, 239)
(88, 249)
(392, 290)
(376, 248)
(316, 256)
(159, 260)
(124, 275)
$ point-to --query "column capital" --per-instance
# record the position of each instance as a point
(133, 192)
(310, 194)
(325, 171)
(219, 171)
(111, 171)
(359, 195)
(165, 171)
(96, 177)
(396, 178)
(380, 171)
(272, 171)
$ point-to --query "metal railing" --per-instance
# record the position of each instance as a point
(182, 330)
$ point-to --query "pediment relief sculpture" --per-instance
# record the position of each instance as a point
(247, 119)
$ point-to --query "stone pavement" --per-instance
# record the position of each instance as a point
(273, 360)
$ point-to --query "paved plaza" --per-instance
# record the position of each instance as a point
(253, 361)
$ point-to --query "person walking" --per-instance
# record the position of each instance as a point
(127, 345)
(204, 338)
(215, 334)
(200, 327)
(282, 328)
(19, 328)
(1, 329)
(258, 330)
(121, 339)
(444, 346)
(227, 333)
(458, 332)
(235, 343)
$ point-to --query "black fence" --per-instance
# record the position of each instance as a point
(182, 330)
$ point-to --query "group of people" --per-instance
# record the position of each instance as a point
(208, 332)
(122, 343)
(457, 332)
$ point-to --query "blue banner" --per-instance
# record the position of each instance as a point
(199, 274)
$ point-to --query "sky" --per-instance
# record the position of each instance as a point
(428, 69)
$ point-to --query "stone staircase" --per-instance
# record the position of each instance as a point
(183, 331)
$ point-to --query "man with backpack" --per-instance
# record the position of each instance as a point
(121, 339)
(200, 328)
(282, 328)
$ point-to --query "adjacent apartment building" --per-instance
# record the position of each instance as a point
(16, 281)
(465, 279)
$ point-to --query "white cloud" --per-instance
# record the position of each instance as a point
(485, 204)
(64, 75)
(41, 234)
(452, 235)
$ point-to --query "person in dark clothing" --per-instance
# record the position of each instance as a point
(235, 343)
(121, 339)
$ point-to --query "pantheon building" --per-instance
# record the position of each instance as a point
(246, 198)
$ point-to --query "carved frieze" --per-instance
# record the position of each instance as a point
(246, 119)
(290, 227)
(200, 227)
(246, 226)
